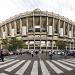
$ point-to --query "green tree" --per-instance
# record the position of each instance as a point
(12, 44)
(5, 43)
(61, 45)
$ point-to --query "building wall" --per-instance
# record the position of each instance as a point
(39, 26)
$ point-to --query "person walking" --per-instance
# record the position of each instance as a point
(2, 56)
(32, 53)
(50, 54)
(36, 52)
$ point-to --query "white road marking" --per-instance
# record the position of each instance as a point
(23, 68)
(63, 66)
(14, 66)
(56, 69)
(35, 68)
(6, 61)
(67, 63)
(7, 64)
(3, 74)
(70, 61)
(44, 69)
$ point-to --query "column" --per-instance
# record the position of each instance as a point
(72, 32)
(64, 28)
(34, 31)
(28, 44)
(6, 30)
(27, 23)
(2, 32)
(20, 25)
(15, 27)
(47, 24)
(70, 45)
(40, 32)
(46, 33)
(10, 29)
(27, 30)
(73, 45)
(52, 33)
(59, 26)
(68, 30)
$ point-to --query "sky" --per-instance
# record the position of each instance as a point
(9, 8)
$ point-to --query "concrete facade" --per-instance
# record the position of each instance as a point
(39, 29)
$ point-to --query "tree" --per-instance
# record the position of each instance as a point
(12, 44)
(5, 43)
(61, 45)
(15, 44)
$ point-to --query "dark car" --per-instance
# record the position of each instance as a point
(71, 53)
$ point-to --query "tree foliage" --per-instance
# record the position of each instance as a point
(5, 43)
(61, 44)
(13, 44)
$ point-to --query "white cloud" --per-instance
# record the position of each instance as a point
(9, 8)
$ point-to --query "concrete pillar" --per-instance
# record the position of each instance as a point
(2, 31)
(70, 45)
(64, 28)
(6, 30)
(47, 24)
(72, 32)
(68, 30)
(40, 32)
(20, 25)
(34, 31)
(52, 33)
(27, 23)
(59, 26)
(73, 45)
(28, 44)
(15, 27)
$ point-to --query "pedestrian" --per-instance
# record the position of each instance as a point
(50, 54)
(36, 52)
(2, 56)
(32, 53)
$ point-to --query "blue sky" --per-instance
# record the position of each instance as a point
(9, 8)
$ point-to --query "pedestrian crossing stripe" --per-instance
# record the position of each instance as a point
(56, 69)
(23, 68)
(63, 66)
(53, 64)
(67, 63)
(14, 66)
(3, 74)
(44, 69)
(70, 61)
(4, 65)
(35, 68)
(6, 61)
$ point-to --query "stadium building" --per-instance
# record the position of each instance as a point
(39, 29)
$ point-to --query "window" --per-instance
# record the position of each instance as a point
(37, 29)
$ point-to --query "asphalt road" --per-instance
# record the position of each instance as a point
(37, 65)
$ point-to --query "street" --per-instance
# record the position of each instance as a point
(43, 65)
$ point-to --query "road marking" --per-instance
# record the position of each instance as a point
(14, 66)
(3, 74)
(6, 61)
(56, 69)
(67, 63)
(35, 68)
(63, 66)
(44, 69)
(7, 64)
(70, 61)
(23, 68)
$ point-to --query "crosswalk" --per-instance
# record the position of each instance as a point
(20, 67)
